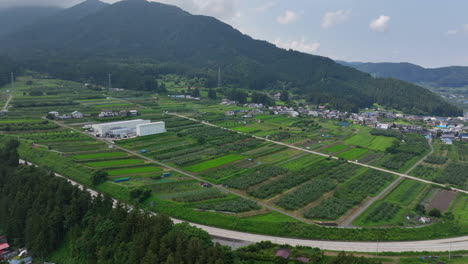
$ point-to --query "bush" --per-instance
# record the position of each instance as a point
(434, 212)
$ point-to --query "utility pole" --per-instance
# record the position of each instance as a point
(12, 81)
(110, 81)
(219, 78)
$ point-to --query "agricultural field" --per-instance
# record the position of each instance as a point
(113, 163)
(130, 171)
(290, 180)
(366, 140)
(99, 155)
(396, 208)
(213, 163)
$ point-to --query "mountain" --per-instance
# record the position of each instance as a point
(13, 19)
(137, 40)
(455, 76)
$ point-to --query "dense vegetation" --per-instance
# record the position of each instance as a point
(42, 216)
(442, 77)
(349, 195)
(115, 39)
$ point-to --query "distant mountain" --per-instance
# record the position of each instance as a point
(13, 19)
(136, 40)
(455, 76)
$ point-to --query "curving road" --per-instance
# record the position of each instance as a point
(242, 238)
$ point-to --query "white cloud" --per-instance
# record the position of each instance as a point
(288, 17)
(331, 19)
(452, 32)
(301, 45)
(380, 24)
(221, 9)
(265, 7)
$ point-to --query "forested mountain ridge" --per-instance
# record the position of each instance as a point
(455, 76)
(136, 39)
(14, 18)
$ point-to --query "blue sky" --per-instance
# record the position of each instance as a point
(431, 33)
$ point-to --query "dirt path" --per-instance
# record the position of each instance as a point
(7, 103)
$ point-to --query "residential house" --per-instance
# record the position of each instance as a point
(133, 112)
(77, 115)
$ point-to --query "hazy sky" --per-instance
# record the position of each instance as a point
(431, 33)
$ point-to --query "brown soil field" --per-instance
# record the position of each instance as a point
(441, 200)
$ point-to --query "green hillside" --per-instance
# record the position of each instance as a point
(138, 40)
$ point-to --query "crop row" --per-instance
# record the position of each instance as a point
(201, 195)
(436, 160)
(289, 181)
(384, 211)
(255, 176)
(238, 205)
(349, 195)
(306, 194)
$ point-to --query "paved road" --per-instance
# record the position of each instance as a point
(325, 155)
(363, 208)
(5, 107)
(236, 239)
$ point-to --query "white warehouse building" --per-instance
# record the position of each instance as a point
(102, 129)
(150, 129)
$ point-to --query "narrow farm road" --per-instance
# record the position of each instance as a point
(348, 222)
(325, 155)
(7, 103)
(229, 237)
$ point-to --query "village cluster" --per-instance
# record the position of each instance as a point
(448, 129)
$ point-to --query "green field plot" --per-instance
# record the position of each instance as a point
(425, 172)
(263, 150)
(164, 189)
(336, 148)
(305, 194)
(299, 163)
(197, 195)
(254, 176)
(99, 155)
(272, 217)
(350, 194)
(406, 192)
(236, 205)
(130, 171)
(366, 140)
(112, 163)
(288, 181)
(214, 163)
(246, 129)
(381, 213)
(280, 156)
(460, 208)
(353, 153)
